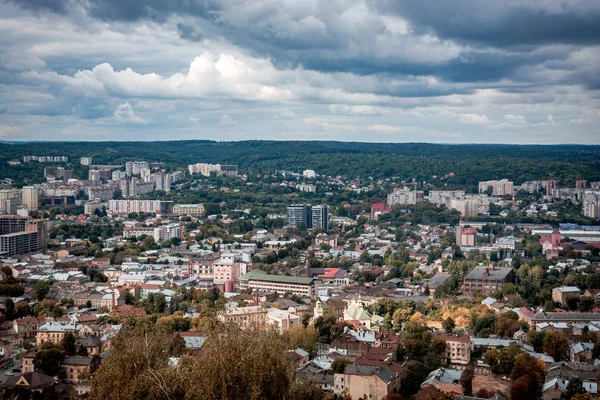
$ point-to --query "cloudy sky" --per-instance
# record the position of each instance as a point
(449, 71)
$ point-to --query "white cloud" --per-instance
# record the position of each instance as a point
(475, 119)
(226, 120)
(125, 114)
(385, 128)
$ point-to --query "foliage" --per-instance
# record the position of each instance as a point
(48, 359)
(556, 345)
(41, 288)
(502, 360)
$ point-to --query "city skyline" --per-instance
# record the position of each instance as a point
(369, 71)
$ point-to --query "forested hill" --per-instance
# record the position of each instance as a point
(470, 163)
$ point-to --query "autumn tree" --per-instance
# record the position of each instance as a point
(556, 346)
(448, 324)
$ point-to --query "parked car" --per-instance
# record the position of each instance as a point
(9, 373)
(17, 370)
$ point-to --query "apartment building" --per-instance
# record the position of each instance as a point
(31, 197)
(404, 196)
(244, 317)
(445, 197)
(457, 347)
(466, 237)
(487, 279)
(502, 187)
(140, 206)
(230, 267)
(560, 294)
(21, 235)
(316, 217)
(188, 209)
(206, 169)
(202, 269)
(260, 280)
(54, 331)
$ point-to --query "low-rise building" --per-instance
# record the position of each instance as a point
(457, 348)
(245, 317)
(260, 280)
(367, 382)
(487, 279)
(560, 294)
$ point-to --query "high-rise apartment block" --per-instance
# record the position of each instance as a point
(31, 197)
(404, 196)
(591, 203)
(316, 217)
(85, 160)
(58, 173)
(445, 197)
(551, 184)
(21, 235)
(309, 173)
(140, 206)
(135, 167)
(502, 187)
(206, 169)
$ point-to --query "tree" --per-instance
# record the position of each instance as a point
(339, 365)
(305, 390)
(9, 309)
(48, 359)
(177, 347)
(572, 302)
(68, 343)
(586, 303)
(41, 288)
(556, 346)
(574, 387)
(523, 388)
(448, 324)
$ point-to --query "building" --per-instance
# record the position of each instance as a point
(466, 237)
(404, 196)
(53, 332)
(159, 233)
(591, 203)
(309, 173)
(457, 348)
(565, 317)
(468, 207)
(230, 267)
(31, 197)
(551, 185)
(58, 173)
(188, 209)
(307, 187)
(487, 279)
(561, 373)
(21, 235)
(25, 328)
(502, 187)
(305, 215)
(319, 217)
(134, 167)
(283, 320)
(162, 182)
(445, 197)
(367, 382)
(75, 366)
(560, 294)
(298, 215)
(244, 317)
(261, 281)
(140, 206)
(206, 169)
(85, 160)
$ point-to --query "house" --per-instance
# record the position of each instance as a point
(457, 347)
(356, 312)
(445, 380)
(75, 366)
(581, 353)
(436, 281)
(244, 317)
(299, 357)
(367, 382)
(283, 320)
(335, 276)
(560, 294)
(193, 340)
(28, 358)
(54, 331)
(25, 328)
(561, 373)
(34, 381)
(91, 343)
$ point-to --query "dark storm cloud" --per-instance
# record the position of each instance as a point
(502, 22)
(188, 32)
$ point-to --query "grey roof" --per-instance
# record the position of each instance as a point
(437, 280)
(565, 316)
(569, 370)
(75, 360)
(444, 375)
(385, 373)
(496, 273)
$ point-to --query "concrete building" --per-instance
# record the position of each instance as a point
(487, 279)
(404, 196)
(206, 169)
(502, 187)
(188, 209)
(466, 237)
(445, 197)
(21, 235)
(468, 207)
(457, 347)
(309, 173)
(283, 320)
(308, 216)
(319, 217)
(31, 197)
(139, 206)
(260, 280)
(54, 331)
(85, 160)
(134, 167)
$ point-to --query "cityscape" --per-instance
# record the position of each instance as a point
(310, 200)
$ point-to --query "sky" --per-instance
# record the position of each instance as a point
(439, 71)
